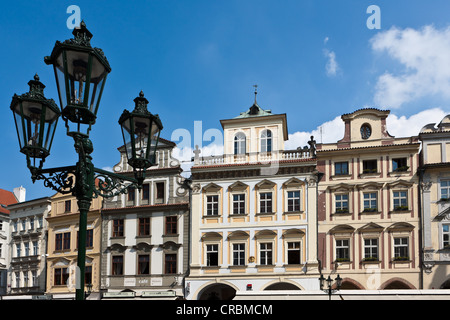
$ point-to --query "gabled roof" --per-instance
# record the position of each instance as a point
(6, 198)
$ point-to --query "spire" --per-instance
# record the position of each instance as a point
(256, 91)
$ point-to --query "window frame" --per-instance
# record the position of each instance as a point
(266, 139)
(239, 144)
(239, 254)
(342, 250)
(268, 202)
(341, 208)
(340, 172)
(212, 205)
(212, 249)
(118, 231)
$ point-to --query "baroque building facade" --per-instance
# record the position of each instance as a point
(368, 208)
(62, 249)
(253, 212)
(435, 203)
(145, 232)
(28, 244)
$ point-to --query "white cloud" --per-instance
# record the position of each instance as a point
(332, 66)
(425, 56)
(398, 126)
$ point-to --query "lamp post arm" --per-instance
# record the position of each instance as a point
(111, 184)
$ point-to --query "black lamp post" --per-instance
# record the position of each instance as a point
(80, 73)
(329, 282)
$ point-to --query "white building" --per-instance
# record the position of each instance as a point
(253, 212)
(28, 245)
(145, 233)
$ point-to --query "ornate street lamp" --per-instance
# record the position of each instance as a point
(35, 117)
(140, 130)
(329, 282)
(80, 73)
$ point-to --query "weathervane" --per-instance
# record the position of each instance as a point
(256, 90)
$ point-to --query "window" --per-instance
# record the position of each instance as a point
(144, 226)
(89, 238)
(401, 249)
(67, 206)
(34, 278)
(293, 201)
(31, 223)
(341, 203)
(25, 279)
(18, 247)
(445, 236)
(238, 203)
(131, 194)
(265, 202)
(60, 276)
(212, 205)
(445, 189)
(40, 222)
(371, 249)
(160, 192)
(144, 264)
(212, 255)
(239, 143)
(341, 168)
(1, 225)
(342, 250)
(265, 252)
(35, 248)
(117, 265)
(238, 254)
(145, 191)
(369, 166)
(62, 241)
(15, 226)
(170, 263)
(88, 275)
(293, 252)
(370, 202)
(17, 276)
(23, 225)
(400, 200)
(171, 225)
(26, 246)
(266, 141)
(117, 228)
(399, 164)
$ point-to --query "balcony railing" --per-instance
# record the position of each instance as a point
(256, 157)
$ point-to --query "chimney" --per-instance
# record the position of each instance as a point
(19, 193)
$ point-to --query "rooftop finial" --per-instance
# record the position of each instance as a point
(256, 91)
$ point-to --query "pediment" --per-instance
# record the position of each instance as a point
(371, 227)
(293, 183)
(265, 184)
(238, 186)
(400, 226)
(342, 228)
(212, 187)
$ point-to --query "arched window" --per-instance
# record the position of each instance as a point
(266, 141)
(239, 143)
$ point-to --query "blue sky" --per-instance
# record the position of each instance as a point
(196, 60)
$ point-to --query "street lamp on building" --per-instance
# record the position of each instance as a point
(80, 73)
(330, 290)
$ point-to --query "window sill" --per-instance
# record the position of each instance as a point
(294, 212)
(370, 261)
(347, 213)
(236, 215)
(265, 213)
(369, 174)
(399, 211)
(214, 216)
(341, 176)
(370, 212)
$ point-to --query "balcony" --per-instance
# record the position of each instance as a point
(254, 158)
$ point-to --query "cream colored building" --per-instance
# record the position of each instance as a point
(253, 212)
(435, 196)
(62, 250)
(368, 205)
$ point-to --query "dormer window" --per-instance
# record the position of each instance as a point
(266, 141)
(239, 143)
